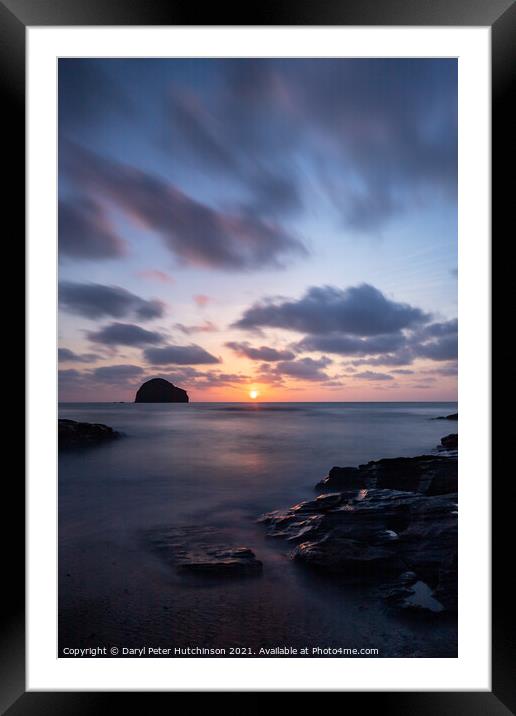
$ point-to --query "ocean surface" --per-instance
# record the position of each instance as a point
(217, 467)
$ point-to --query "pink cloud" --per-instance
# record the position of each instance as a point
(156, 275)
(201, 300)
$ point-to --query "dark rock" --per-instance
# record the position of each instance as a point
(221, 561)
(379, 534)
(450, 442)
(351, 557)
(197, 550)
(72, 434)
(453, 416)
(427, 474)
(159, 390)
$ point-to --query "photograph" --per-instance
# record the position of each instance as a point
(257, 346)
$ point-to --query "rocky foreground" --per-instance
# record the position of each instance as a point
(73, 434)
(203, 551)
(391, 522)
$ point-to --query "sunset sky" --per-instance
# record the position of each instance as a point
(282, 226)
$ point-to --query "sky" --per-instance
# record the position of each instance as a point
(282, 226)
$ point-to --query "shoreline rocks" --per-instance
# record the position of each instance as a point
(427, 474)
(220, 561)
(199, 551)
(450, 442)
(159, 390)
(391, 522)
(453, 416)
(73, 434)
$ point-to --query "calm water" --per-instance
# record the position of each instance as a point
(219, 466)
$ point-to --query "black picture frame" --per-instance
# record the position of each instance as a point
(500, 16)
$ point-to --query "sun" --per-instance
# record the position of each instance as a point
(253, 394)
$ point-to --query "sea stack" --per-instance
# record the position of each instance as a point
(159, 390)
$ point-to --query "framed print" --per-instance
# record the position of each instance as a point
(258, 299)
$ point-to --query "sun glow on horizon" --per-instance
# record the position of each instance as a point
(253, 394)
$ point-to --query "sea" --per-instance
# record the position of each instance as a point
(215, 468)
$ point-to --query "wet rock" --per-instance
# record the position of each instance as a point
(396, 538)
(453, 416)
(450, 442)
(73, 434)
(198, 550)
(159, 390)
(427, 474)
(355, 559)
(344, 478)
(220, 561)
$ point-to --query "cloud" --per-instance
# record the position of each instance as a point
(263, 353)
(358, 321)
(388, 129)
(351, 345)
(404, 356)
(403, 371)
(218, 143)
(451, 369)
(442, 349)
(201, 300)
(304, 369)
(371, 375)
(393, 126)
(438, 341)
(195, 233)
(94, 300)
(65, 355)
(156, 275)
(85, 231)
(117, 373)
(359, 311)
(92, 383)
(205, 327)
(125, 334)
(179, 355)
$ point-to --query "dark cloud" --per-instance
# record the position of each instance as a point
(124, 334)
(69, 375)
(94, 300)
(404, 356)
(437, 341)
(117, 373)
(227, 140)
(403, 371)
(192, 378)
(359, 311)
(388, 128)
(352, 345)
(85, 231)
(65, 355)
(194, 232)
(393, 124)
(179, 355)
(304, 369)
(372, 375)
(263, 353)
(442, 349)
